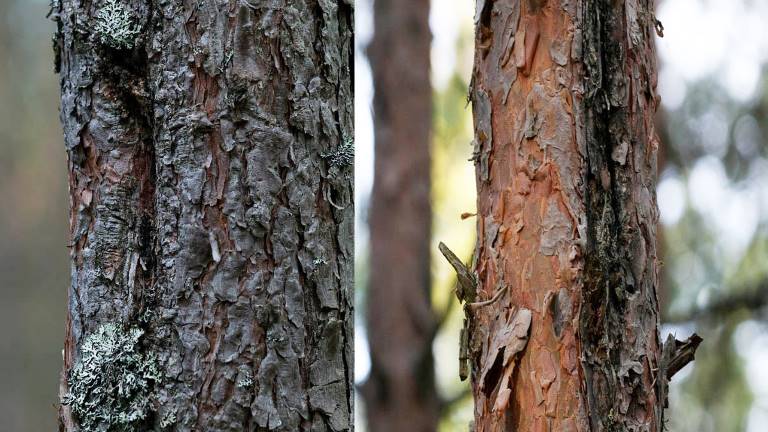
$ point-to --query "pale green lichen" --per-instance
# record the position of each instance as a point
(245, 381)
(341, 156)
(116, 26)
(168, 420)
(111, 387)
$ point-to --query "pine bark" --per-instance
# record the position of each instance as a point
(563, 101)
(400, 393)
(209, 151)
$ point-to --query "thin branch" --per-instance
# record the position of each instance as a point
(753, 299)
(495, 297)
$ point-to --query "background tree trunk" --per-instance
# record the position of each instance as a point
(210, 151)
(400, 394)
(563, 100)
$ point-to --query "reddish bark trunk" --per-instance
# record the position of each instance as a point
(563, 99)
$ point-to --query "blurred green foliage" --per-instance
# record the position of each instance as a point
(705, 259)
(453, 194)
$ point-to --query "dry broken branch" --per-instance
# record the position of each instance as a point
(682, 353)
(675, 355)
(467, 281)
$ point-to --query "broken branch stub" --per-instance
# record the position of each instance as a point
(464, 352)
(467, 281)
(683, 352)
(675, 355)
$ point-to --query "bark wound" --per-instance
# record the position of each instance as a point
(567, 212)
(503, 352)
(203, 213)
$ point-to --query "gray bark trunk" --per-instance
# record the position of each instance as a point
(210, 153)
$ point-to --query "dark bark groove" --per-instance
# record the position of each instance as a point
(210, 149)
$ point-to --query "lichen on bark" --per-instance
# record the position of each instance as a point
(116, 26)
(111, 387)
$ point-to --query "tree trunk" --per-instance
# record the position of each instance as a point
(210, 151)
(565, 149)
(400, 394)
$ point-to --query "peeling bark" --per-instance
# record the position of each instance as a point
(211, 210)
(400, 394)
(565, 148)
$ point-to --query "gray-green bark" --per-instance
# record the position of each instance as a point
(209, 148)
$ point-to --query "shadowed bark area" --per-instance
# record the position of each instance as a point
(565, 148)
(400, 393)
(210, 161)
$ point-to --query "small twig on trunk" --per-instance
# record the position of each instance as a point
(675, 355)
(492, 300)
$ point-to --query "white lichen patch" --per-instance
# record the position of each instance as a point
(341, 156)
(245, 381)
(116, 25)
(111, 386)
(168, 420)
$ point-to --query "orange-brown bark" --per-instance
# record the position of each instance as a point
(563, 99)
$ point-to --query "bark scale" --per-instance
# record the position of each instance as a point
(210, 151)
(565, 148)
(400, 393)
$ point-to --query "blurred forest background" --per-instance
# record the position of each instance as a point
(713, 196)
(712, 193)
(34, 269)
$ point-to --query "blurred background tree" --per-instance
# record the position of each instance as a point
(712, 193)
(400, 390)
